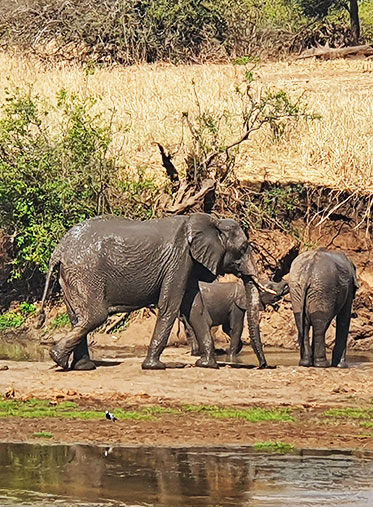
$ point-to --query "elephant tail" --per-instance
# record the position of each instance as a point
(54, 261)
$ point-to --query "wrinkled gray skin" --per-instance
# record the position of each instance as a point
(110, 264)
(322, 286)
(225, 304)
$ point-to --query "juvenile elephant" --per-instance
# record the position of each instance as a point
(225, 304)
(110, 264)
(322, 286)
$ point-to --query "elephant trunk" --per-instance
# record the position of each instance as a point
(252, 305)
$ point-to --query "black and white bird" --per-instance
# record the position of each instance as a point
(108, 451)
(110, 416)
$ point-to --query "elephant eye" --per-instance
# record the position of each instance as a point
(242, 250)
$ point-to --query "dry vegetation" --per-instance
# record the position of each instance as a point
(335, 151)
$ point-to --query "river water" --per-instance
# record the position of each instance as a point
(33, 474)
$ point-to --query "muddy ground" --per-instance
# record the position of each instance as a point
(307, 392)
(120, 382)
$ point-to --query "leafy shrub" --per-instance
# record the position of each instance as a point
(10, 320)
(48, 182)
(366, 19)
(16, 318)
(127, 32)
(27, 309)
(216, 137)
(51, 180)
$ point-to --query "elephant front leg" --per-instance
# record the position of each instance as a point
(196, 314)
(162, 330)
(170, 298)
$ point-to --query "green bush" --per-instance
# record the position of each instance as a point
(131, 31)
(49, 181)
(366, 19)
(53, 179)
(10, 320)
(16, 318)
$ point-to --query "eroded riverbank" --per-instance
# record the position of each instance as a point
(183, 396)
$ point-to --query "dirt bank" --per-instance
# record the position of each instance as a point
(306, 392)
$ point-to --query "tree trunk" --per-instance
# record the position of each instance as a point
(355, 23)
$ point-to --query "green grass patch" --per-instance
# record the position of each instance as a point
(248, 414)
(10, 320)
(61, 320)
(280, 447)
(35, 408)
(157, 410)
(366, 424)
(349, 413)
(43, 434)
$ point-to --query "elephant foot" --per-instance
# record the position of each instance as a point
(232, 358)
(203, 362)
(59, 357)
(196, 352)
(341, 364)
(83, 364)
(265, 366)
(305, 362)
(321, 363)
(153, 364)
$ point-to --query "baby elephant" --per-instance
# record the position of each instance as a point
(322, 286)
(226, 306)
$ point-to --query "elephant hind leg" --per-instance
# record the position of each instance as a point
(76, 341)
(234, 328)
(81, 358)
(86, 319)
(320, 322)
(342, 329)
(87, 310)
(303, 340)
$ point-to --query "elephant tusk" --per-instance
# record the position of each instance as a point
(262, 287)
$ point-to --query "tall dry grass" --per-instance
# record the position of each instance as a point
(335, 151)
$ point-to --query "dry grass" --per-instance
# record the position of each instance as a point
(335, 151)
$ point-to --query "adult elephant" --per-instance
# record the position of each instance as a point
(225, 305)
(322, 286)
(110, 264)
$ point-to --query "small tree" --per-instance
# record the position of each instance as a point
(320, 8)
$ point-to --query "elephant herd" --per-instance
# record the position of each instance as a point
(110, 264)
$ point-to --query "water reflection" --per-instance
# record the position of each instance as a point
(75, 475)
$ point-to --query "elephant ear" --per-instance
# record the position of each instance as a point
(204, 240)
(356, 282)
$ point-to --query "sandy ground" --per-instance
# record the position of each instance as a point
(307, 391)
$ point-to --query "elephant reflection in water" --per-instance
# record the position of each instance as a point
(158, 475)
